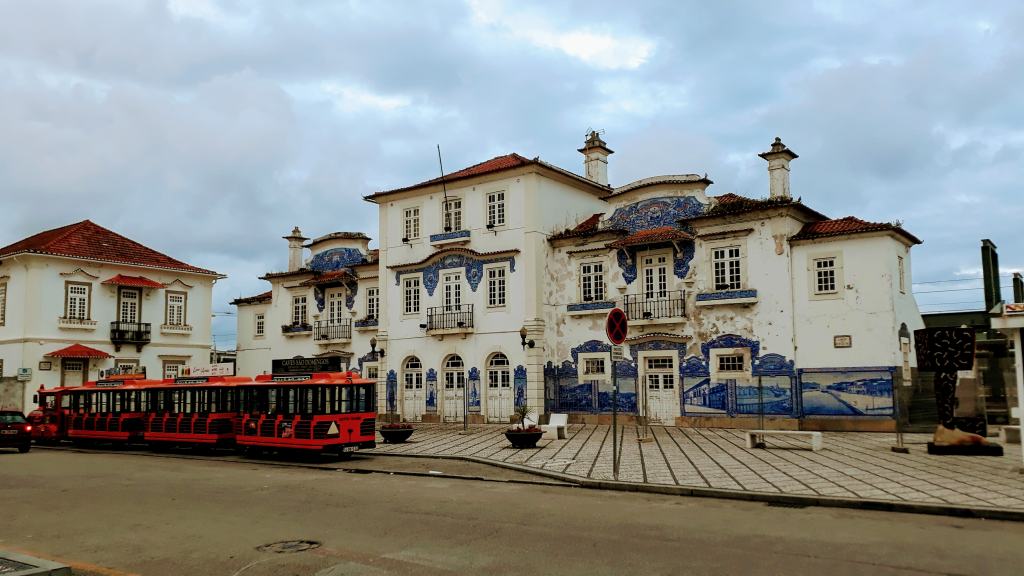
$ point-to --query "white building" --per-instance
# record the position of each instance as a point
(737, 306)
(80, 300)
(323, 305)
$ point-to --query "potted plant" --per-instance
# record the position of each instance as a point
(396, 432)
(524, 436)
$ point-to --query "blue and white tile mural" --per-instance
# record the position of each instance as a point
(519, 378)
(847, 391)
(474, 390)
(771, 389)
(431, 390)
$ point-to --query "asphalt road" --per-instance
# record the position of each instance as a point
(115, 514)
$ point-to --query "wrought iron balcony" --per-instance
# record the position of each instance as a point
(667, 304)
(328, 331)
(454, 318)
(137, 333)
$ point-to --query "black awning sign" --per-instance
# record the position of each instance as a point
(306, 365)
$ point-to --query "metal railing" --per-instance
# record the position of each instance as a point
(336, 330)
(667, 304)
(130, 332)
(450, 317)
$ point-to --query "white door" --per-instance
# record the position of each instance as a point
(454, 395)
(412, 396)
(499, 391)
(74, 373)
(655, 272)
(662, 392)
(129, 305)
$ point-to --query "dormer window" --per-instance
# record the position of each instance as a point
(726, 267)
(452, 214)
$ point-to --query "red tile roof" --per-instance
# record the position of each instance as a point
(849, 225)
(587, 227)
(90, 241)
(134, 281)
(78, 351)
(652, 236)
(328, 278)
(733, 205)
(257, 299)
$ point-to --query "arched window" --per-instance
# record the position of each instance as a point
(498, 375)
(412, 374)
(454, 373)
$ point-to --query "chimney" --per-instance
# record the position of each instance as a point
(990, 272)
(295, 240)
(595, 154)
(778, 168)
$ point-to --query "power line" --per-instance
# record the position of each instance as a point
(1009, 275)
(958, 289)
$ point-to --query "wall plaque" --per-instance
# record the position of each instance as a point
(843, 341)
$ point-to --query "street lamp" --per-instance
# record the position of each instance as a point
(522, 336)
(373, 348)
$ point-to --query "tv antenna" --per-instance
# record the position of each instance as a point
(444, 190)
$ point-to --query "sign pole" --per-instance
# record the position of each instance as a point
(615, 417)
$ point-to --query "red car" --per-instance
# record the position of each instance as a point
(15, 431)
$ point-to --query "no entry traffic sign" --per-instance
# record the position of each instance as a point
(616, 326)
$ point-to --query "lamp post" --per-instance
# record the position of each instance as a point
(387, 392)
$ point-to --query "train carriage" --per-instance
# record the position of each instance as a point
(107, 410)
(197, 411)
(317, 412)
(50, 419)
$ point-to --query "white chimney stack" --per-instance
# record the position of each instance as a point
(778, 168)
(595, 153)
(295, 241)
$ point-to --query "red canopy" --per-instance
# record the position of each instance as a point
(78, 351)
(133, 281)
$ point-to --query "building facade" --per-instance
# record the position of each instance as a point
(81, 301)
(494, 284)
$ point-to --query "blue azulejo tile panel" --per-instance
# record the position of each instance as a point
(473, 266)
(726, 295)
(336, 259)
(449, 235)
(519, 376)
(366, 323)
(392, 390)
(654, 213)
(847, 391)
(773, 396)
(431, 390)
(581, 306)
(703, 397)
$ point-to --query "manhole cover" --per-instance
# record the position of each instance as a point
(289, 546)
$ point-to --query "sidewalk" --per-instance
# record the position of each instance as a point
(854, 467)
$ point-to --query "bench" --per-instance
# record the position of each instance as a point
(555, 428)
(814, 437)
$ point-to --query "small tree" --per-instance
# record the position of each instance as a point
(523, 412)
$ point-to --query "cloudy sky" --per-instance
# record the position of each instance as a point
(207, 129)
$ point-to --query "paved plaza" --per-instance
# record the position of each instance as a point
(853, 465)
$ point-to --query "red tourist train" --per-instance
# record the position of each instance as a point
(333, 412)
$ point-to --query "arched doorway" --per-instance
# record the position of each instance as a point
(454, 388)
(412, 389)
(499, 388)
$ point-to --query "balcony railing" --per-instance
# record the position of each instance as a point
(138, 333)
(336, 330)
(668, 304)
(450, 317)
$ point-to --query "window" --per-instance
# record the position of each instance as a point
(592, 282)
(261, 324)
(452, 291)
(412, 223)
(372, 302)
(129, 305)
(660, 373)
(593, 366)
(413, 374)
(655, 270)
(3, 303)
(412, 295)
(496, 209)
(730, 363)
(825, 275)
(335, 306)
(76, 301)
(452, 214)
(175, 308)
(298, 309)
(899, 263)
(498, 375)
(172, 368)
(125, 366)
(726, 267)
(496, 287)
(454, 373)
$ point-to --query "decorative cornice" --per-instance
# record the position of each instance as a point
(179, 281)
(79, 271)
(455, 250)
(726, 234)
(473, 262)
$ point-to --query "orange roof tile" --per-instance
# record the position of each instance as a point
(257, 299)
(496, 164)
(652, 236)
(78, 351)
(849, 225)
(134, 281)
(89, 241)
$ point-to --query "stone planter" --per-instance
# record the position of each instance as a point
(525, 438)
(395, 435)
